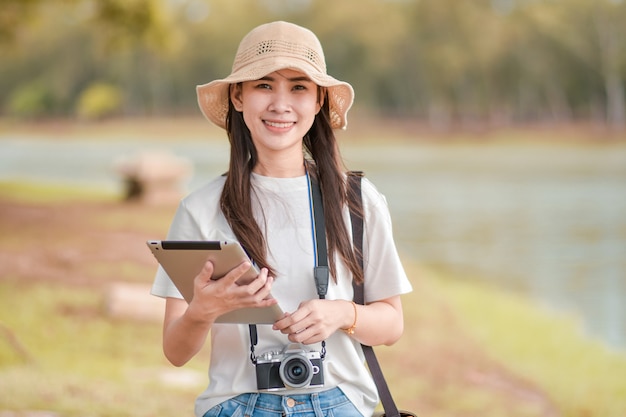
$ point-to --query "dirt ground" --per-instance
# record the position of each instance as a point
(79, 243)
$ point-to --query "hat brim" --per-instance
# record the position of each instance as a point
(213, 97)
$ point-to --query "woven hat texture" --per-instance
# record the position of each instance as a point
(273, 47)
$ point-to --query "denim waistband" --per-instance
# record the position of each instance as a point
(293, 403)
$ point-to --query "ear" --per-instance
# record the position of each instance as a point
(236, 96)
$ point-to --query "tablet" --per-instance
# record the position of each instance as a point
(183, 261)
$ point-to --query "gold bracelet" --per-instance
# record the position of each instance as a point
(350, 330)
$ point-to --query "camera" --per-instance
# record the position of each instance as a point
(291, 367)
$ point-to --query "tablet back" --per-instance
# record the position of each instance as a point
(183, 261)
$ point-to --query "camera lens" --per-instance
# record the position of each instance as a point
(296, 371)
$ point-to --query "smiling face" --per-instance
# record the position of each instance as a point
(278, 109)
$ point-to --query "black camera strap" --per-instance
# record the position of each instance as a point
(320, 270)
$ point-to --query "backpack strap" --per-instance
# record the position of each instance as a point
(356, 217)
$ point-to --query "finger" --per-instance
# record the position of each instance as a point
(299, 316)
(296, 327)
(234, 274)
(266, 290)
(296, 321)
(258, 284)
(306, 336)
(249, 296)
(282, 323)
(264, 294)
(205, 274)
(266, 302)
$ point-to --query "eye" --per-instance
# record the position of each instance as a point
(263, 86)
(300, 87)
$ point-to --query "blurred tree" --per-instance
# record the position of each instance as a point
(135, 37)
(444, 61)
(609, 20)
(593, 34)
(98, 101)
(31, 101)
(449, 56)
(13, 15)
(132, 23)
(361, 40)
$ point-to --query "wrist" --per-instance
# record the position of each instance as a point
(198, 317)
(352, 327)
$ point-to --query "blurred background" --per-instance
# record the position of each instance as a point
(480, 62)
(495, 128)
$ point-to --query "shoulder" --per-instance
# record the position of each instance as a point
(204, 202)
(199, 216)
(370, 193)
(209, 192)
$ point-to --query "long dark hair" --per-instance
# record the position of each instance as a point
(325, 166)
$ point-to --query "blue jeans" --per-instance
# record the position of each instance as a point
(331, 403)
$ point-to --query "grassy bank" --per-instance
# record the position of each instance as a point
(29, 192)
(67, 356)
(583, 376)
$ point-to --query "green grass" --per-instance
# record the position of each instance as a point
(30, 192)
(66, 355)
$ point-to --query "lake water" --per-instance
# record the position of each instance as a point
(547, 221)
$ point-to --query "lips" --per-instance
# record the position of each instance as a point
(279, 125)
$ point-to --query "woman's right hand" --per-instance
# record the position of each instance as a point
(186, 327)
(212, 298)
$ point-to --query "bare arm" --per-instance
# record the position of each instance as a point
(378, 323)
(185, 327)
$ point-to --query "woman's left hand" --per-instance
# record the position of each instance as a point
(316, 320)
(377, 323)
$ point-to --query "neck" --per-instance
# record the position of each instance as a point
(280, 167)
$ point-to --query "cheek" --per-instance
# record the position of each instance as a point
(312, 106)
(249, 122)
(251, 107)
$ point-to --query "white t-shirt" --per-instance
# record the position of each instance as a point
(281, 208)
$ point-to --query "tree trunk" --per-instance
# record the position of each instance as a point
(615, 101)
(609, 35)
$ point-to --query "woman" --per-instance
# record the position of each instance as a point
(279, 108)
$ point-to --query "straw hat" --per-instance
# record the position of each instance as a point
(272, 47)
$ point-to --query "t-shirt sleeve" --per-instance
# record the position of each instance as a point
(183, 227)
(384, 273)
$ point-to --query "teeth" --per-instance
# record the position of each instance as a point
(279, 125)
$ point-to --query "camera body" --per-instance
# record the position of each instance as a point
(291, 367)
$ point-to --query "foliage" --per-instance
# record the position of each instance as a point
(31, 101)
(14, 13)
(98, 101)
(138, 21)
(444, 61)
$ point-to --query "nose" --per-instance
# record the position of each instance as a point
(280, 102)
